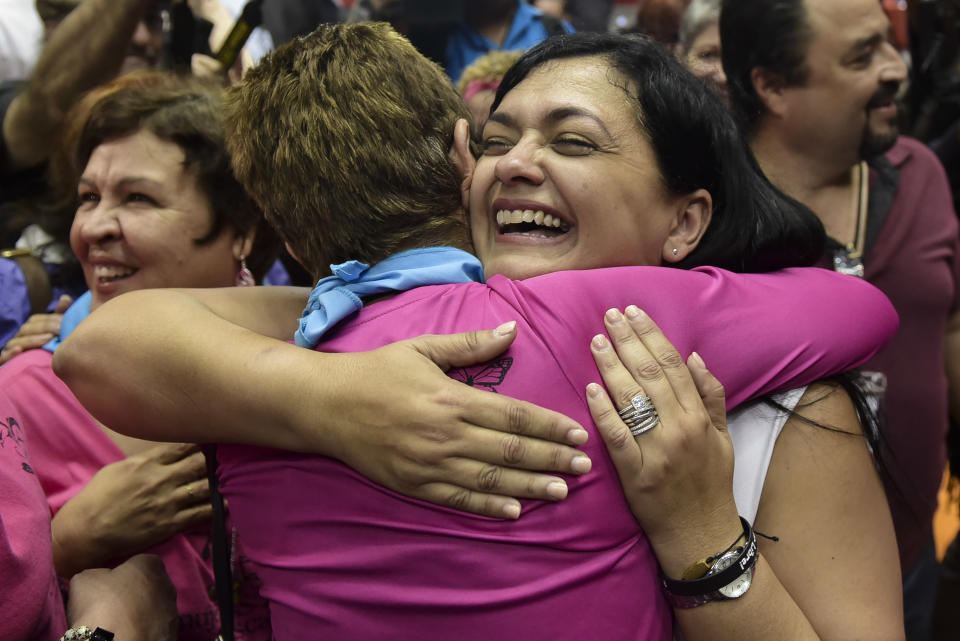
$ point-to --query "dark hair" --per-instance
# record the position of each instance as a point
(755, 227)
(770, 34)
(189, 113)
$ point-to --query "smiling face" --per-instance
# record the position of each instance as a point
(567, 179)
(139, 217)
(846, 106)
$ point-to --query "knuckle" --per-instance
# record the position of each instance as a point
(620, 437)
(624, 398)
(518, 417)
(514, 449)
(647, 371)
(459, 499)
(670, 358)
(489, 478)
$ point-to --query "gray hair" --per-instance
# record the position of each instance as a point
(699, 15)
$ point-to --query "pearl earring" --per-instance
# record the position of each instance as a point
(676, 252)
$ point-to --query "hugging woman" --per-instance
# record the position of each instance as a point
(601, 155)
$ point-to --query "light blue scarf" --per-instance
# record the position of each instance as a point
(77, 311)
(338, 296)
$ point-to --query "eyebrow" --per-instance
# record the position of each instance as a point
(553, 117)
(124, 182)
(863, 44)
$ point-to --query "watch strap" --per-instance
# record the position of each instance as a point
(746, 558)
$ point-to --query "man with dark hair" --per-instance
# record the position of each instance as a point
(812, 82)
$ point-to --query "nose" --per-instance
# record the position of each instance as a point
(97, 225)
(141, 36)
(521, 164)
(894, 68)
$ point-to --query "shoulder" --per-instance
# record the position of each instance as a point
(909, 152)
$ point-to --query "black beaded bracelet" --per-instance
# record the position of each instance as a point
(713, 582)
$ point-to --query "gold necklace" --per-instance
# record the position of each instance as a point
(849, 259)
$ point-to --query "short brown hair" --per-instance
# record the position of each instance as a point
(343, 138)
(188, 112)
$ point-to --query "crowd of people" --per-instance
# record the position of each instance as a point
(471, 320)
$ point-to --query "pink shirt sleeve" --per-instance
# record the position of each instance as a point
(757, 333)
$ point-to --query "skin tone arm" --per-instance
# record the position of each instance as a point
(952, 358)
(391, 413)
(85, 50)
(834, 574)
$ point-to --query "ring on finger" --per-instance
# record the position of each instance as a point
(639, 427)
(639, 403)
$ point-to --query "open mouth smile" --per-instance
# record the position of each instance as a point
(530, 222)
(111, 273)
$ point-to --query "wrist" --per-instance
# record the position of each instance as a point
(680, 548)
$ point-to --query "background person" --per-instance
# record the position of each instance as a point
(813, 84)
(699, 44)
(158, 206)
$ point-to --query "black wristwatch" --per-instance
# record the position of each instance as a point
(729, 577)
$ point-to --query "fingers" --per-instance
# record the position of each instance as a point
(189, 469)
(467, 348)
(621, 383)
(657, 366)
(9, 352)
(710, 390)
(504, 415)
(167, 453)
(195, 492)
(63, 304)
(42, 324)
(621, 446)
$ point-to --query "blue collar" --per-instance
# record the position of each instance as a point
(337, 297)
(79, 310)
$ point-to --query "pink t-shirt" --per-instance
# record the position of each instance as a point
(343, 558)
(31, 607)
(67, 447)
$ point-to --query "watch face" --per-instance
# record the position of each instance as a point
(739, 586)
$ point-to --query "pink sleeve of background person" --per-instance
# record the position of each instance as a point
(31, 607)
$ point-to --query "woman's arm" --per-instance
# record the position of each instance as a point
(391, 414)
(834, 574)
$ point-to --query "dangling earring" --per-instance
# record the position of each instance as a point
(244, 277)
(676, 252)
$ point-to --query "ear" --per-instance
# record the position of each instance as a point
(770, 89)
(693, 217)
(243, 244)
(463, 159)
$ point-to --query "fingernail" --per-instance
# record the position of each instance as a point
(557, 490)
(511, 510)
(577, 436)
(695, 358)
(506, 329)
(600, 343)
(593, 390)
(581, 464)
(633, 312)
(614, 317)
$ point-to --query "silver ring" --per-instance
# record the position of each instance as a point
(644, 426)
(638, 403)
(640, 416)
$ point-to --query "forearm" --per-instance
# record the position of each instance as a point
(85, 50)
(197, 377)
(952, 360)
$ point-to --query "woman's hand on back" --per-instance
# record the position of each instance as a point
(447, 443)
(678, 476)
(131, 505)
